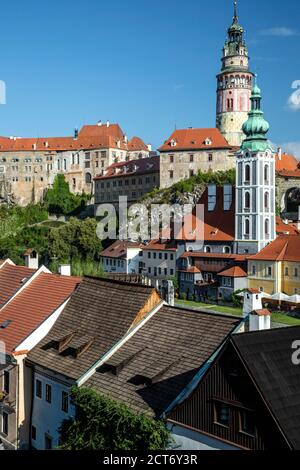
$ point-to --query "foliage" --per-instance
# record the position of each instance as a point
(59, 199)
(236, 300)
(104, 424)
(76, 239)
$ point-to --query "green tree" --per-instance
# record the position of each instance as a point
(61, 201)
(104, 424)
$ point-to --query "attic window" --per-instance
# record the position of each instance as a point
(61, 341)
(77, 346)
(207, 141)
(5, 324)
(173, 143)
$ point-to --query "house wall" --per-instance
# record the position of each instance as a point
(47, 417)
(182, 167)
(9, 405)
(227, 383)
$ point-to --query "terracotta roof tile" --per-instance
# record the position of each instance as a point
(33, 306)
(133, 167)
(119, 249)
(284, 248)
(12, 279)
(136, 144)
(194, 139)
(234, 271)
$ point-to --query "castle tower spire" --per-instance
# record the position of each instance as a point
(234, 84)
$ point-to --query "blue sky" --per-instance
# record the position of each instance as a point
(147, 64)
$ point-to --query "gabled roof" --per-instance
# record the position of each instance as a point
(119, 249)
(113, 130)
(267, 356)
(31, 307)
(102, 309)
(284, 248)
(286, 162)
(234, 271)
(151, 369)
(195, 139)
(12, 278)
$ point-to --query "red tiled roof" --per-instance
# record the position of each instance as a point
(284, 248)
(262, 312)
(112, 130)
(235, 271)
(286, 162)
(136, 144)
(160, 245)
(285, 229)
(119, 249)
(133, 167)
(194, 139)
(11, 278)
(191, 269)
(31, 307)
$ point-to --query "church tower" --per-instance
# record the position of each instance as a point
(255, 183)
(234, 85)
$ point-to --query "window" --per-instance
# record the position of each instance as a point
(247, 422)
(38, 389)
(149, 270)
(266, 201)
(192, 173)
(171, 158)
(247, 174)
(296, 272)
(191, 158)
(166, 256)
(247, 227)
(149, 255)
(210, 157)
(171, 172)
(286, 271)
(267, 227)
(247, 201)
(87, 165)
(160, 255)
(6, 382)
(65, 402)
(222, 414)
(154, 255)
(171, 257)
(269, 271)
(33, 433)
(171, 272)
(266, 173)
(48, 442)
(254, 270)
(227, 250)
(5, 423)
(87, 156)
(207, 249)
(88, 178)
(48, 393)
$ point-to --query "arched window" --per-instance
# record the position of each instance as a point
(88, 178)
(266, 173)
(207, 249)
(247, 174)
(58, 165)
(227, 250)
(267, 227)
(267, 201)
(247, 200)
(65, 164)
(247, 227)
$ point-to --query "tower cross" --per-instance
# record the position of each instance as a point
(235, 17)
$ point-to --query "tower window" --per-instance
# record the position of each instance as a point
(247, 174)
(247, 227)
(267, 201)
(247, 201)
(266, 174)
(267, 227)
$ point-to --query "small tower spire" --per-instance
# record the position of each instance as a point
(235, 17)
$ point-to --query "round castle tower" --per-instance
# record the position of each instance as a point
(234, 85)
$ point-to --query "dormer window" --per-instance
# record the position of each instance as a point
(173, 143)
(208, 141)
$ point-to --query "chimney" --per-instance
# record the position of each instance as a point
(149, 147)
(260, 320)
(125, 139)
(252, 301)
(75, 133)
(107, 124)
(31, 259)
(168, 292)
(212, 197)
(99, 123)
(64, 270)
(279, 153)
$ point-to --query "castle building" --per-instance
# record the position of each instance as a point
(255, 183)
(234, 85)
